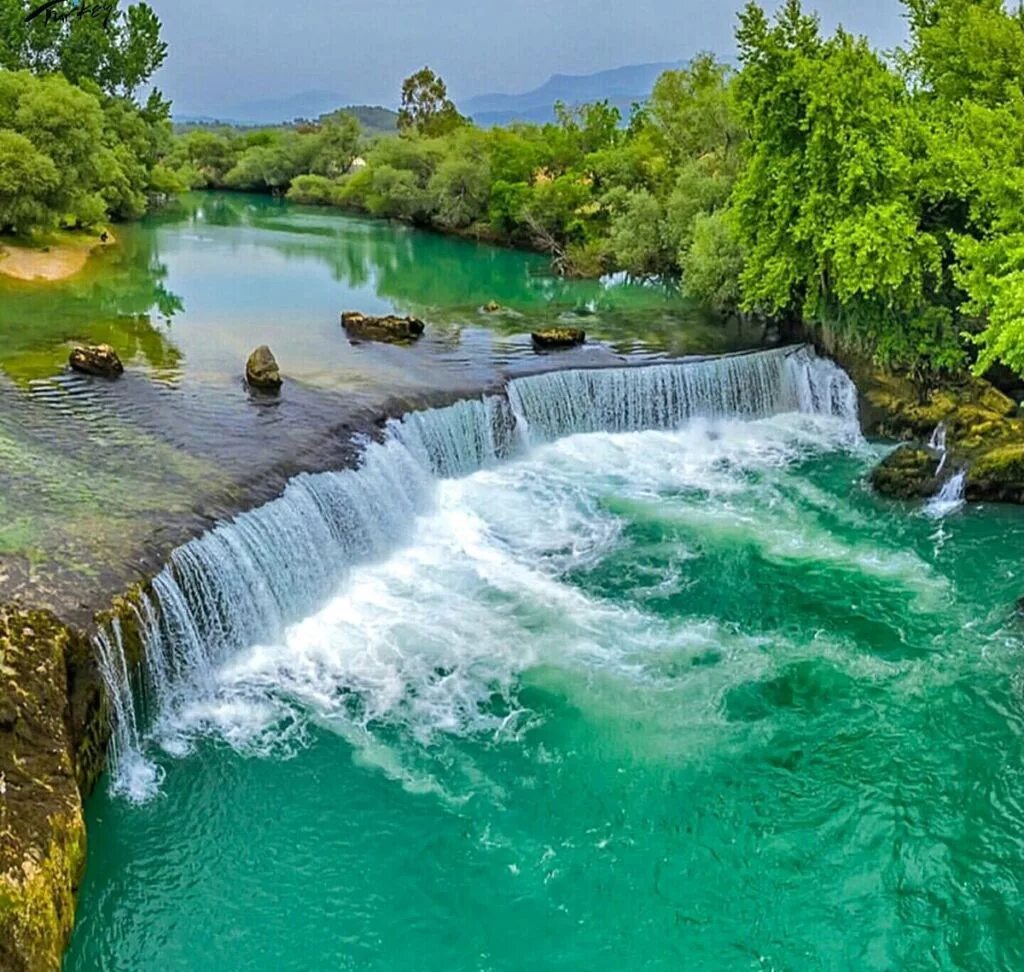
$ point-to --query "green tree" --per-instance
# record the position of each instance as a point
(829, 208)
(426, 107)
(29, 184)
(119, 49)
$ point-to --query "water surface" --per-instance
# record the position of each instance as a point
(96, 477)
(688, 697)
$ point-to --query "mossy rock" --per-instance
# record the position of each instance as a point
(907, 473)
(100, 360)
(389, 328)
(558, 337)
(42, 830)
(998, 474)
(262, 370)
(991, 398)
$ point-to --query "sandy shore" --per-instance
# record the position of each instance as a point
(59, 260)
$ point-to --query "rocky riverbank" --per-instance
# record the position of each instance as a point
(49, 756)
(968, 426)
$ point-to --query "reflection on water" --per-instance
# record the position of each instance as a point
(94, 474)
(119, 299)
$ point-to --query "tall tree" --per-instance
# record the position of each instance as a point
(426, 108)
(829, 207)
(118, 49)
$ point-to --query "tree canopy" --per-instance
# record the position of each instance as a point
(75, 147)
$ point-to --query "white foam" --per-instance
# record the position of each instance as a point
(434, 638)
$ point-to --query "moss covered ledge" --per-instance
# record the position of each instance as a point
(984, 434)
(42, 830)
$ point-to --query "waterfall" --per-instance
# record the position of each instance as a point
(937, 443)
(560, 403)
(949, 498)
(245, 581)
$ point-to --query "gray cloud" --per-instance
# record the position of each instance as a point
(227, 51)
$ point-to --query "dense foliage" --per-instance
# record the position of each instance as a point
(878, 198)
(75, 147)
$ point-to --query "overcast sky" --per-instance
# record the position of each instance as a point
(226, 51)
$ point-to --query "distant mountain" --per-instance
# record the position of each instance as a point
(374, 119)
(621, 86)
(274, 111)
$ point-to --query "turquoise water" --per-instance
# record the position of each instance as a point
(688, 699)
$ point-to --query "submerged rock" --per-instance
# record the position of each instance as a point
(388, 328)
(558, 337)
(97, 359)
(261, 370)
(907, 473)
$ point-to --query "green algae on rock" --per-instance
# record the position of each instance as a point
(388, 328)
(558, 337)
(983, 434)
(907, 473)
(998, 474)
(42, 830)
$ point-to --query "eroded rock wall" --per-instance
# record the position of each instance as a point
(42, 829)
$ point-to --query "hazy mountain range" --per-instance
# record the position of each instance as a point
(621, 86)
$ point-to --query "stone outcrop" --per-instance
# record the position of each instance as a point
(907, 473)
(998, 474)
(984, 435)
(389, 328)
(262, 371)
(98, 359)
(42, 830)
(558, 337)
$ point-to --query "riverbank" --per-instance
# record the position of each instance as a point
(50, 257)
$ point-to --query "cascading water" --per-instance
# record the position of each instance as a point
(950, 496)
(937, 443)
(245, 582)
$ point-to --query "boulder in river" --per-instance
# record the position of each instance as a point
(262, 371)
(998, 474)
(558, 337)
(97, 359)
(907, 473)
(389, 328)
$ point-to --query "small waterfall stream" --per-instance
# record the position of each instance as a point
(247, 580)
(950, 496)
(937, 443)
